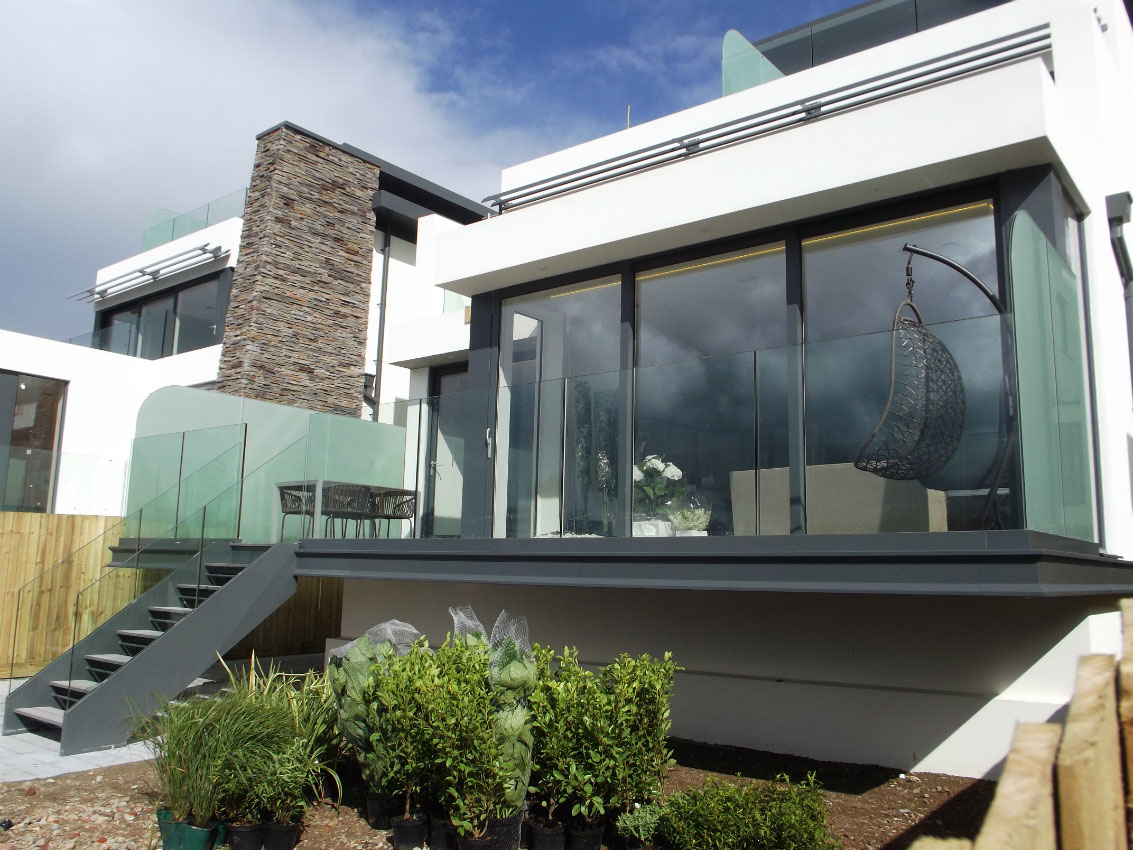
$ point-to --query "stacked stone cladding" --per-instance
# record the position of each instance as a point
(295, 331)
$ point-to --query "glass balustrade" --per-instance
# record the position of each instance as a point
(171, 226)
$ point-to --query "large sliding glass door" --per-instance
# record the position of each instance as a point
(557, 417)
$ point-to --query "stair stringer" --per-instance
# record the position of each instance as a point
(105, 717)
(37, 689)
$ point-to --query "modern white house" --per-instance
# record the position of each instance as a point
(823, 385)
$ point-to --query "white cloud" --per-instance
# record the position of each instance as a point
(116, 108)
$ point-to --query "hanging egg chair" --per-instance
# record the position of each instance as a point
(923, 420)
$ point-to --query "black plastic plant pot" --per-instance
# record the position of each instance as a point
(248, 836)
(505, 832)
(408, 833)
(544, 837)
(584, 838)
(379, 809)
(442, 833)
(280, 836)
(470, 843)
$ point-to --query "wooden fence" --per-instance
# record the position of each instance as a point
(1066, 786)
(38, 623)
(65, 554)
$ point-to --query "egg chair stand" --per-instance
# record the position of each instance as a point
(923, 421)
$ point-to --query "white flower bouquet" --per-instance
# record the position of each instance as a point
(655, 485)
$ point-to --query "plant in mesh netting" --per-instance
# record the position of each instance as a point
(352, 676)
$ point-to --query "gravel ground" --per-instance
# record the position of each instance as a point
(870, 807)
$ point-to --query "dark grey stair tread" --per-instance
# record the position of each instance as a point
(212, 587)
(83, 685)
(170, 609)
(109, 658)
(44, 714)
(148, 634)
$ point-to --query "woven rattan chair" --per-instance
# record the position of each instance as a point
(393, 504)
(345, 503)
(296, 501)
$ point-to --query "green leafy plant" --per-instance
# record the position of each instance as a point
(402, 700)
(475, 778)
(639, 691)
(351, 678)
(639, 824)
(776, 815)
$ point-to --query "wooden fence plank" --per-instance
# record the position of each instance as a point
(56, 554)
(1125, 696)
(1022, 813)
(1091, 795)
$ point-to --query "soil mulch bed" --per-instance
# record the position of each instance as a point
(870, 807)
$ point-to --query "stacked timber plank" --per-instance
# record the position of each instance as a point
(1065, 787)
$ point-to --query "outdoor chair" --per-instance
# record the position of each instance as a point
(345, 503)
(295, 501)
(390, 505)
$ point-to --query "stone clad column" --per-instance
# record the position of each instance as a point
(295, 331)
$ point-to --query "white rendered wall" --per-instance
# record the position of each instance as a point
(418, 332)
(104, 392)
(917, 683)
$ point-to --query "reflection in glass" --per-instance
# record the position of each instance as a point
(197, 321)
(546, 339)
(30, 419)
(853, 283)
(702, 327)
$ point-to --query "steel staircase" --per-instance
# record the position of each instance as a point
(157, 646)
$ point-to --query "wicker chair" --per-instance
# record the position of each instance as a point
(345, 503)
(390, 505)
(296, 501)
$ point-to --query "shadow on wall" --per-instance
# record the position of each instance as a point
(935, 684)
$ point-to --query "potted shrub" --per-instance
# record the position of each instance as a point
(402, 698)
(288, 776)
(474, 779)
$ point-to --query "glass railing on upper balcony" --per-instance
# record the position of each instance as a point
(152, 334)
(165, 226)
(829, 437)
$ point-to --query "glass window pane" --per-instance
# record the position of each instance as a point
(703, 330)
(197, 321)
(547, 339)
(861, 29)
(155, 329)
(30, 446)
(857, 370)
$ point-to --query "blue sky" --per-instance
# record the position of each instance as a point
(117, 108)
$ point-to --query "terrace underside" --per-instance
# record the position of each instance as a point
(1001, 563)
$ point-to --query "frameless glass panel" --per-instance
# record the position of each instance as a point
(197, 319)
(696, 413)
(121, 334)
(1057, 472)
(545, 337)
(155, 329)
(457, 419)
(861, 382)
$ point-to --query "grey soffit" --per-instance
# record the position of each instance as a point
(1009, 563)
(403, 183)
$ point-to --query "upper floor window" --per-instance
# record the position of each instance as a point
(167, 324)
(31, 411)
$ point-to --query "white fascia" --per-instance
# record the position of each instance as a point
(953, 132)
(223, 237)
